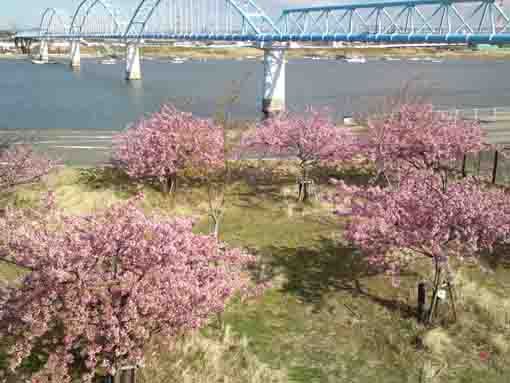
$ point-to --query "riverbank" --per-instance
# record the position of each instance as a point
(243, 52)
(328, 315)
(234, 53)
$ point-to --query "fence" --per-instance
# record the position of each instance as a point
(489, 164)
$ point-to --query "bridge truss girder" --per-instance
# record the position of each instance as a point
(402, 21)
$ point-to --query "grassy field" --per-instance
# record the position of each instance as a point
(328, 316)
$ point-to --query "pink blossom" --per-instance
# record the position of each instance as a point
(21, 165)
(168, 143)
(98, 287)
(421, 217)
(418, 137)
(428, 211)
(313, 138)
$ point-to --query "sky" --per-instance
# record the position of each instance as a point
(26, 13)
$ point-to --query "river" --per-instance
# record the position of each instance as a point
(80, 110)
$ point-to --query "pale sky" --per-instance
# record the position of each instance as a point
(26, 13)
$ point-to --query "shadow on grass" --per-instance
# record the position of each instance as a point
(499, 257)
(100, 178)
(357, 175)
(311, 273)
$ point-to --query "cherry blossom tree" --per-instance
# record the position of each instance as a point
(167, 144)
(313, 138)
(20, 165)
(98, 287)
(415, 137)
(429, 211)
(393, 226)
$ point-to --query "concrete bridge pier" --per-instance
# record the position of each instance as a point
(274, 79)
(75, 54)
(133, 67)
(24, 44)
(43, 51)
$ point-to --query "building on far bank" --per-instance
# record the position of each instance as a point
(7, 46)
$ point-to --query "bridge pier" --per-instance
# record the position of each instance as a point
(133, 67)
(75, 54)
(24, 44)
(43, 51)
(274, 79)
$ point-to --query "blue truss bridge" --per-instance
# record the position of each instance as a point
(403, 22)
(438, 21)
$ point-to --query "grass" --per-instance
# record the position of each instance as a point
(222, 357)
(328, 317)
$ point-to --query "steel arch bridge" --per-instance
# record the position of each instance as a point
(401, 21)
(191, 20)
(53, 21)
(110, 19)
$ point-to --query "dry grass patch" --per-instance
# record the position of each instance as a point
(199, 359)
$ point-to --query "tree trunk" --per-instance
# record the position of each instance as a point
(127, 375)
(169, 184)
(304, 187)
(464, 166)
(304, 192)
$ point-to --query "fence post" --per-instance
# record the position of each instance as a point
(464, 166)
(495, 167)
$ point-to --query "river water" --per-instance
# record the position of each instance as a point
(80, 110)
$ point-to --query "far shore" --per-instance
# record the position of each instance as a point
(243, 52)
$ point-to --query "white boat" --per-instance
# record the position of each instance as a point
(414, 59)
(356, 60)
(389, 58)
(108, 62)
(34, 61)
(178, 61)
